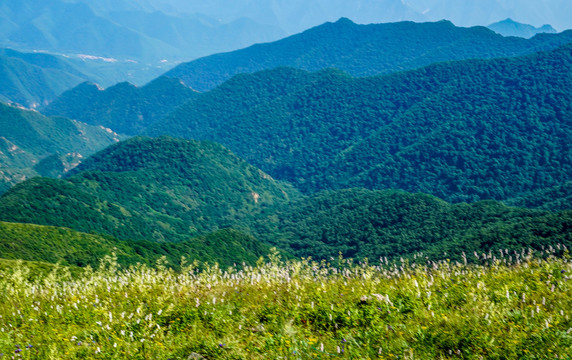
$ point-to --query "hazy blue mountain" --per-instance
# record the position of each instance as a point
(124, 108)
(484, 12)
(294, 16)
(28, 137)
(193, 36)
(510, 27)
(363, 50)
(58, 26)
(297, 15)
(122, 30)
(463, 131)
(34, 79)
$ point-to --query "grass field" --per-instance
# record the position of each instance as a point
(508, 306)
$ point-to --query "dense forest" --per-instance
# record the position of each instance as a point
(162, 189)
(462, 131)
(364, 50)
(359, 223)
(168, 196)
(125, 108)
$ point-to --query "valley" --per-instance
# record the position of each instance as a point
(384, 190)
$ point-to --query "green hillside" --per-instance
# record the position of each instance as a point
(123, 107)
(363, 50)
(463, 131)
(51, 245)
(28, 137)
(361, 223)
(554, 198)
(34, 79)
(161, 189)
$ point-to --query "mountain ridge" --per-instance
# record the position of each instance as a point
(363, 50)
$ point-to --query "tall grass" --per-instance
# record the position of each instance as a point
(512, 306)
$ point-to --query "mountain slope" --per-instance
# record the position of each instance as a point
(123, 107)
(363, 50)
(71, 248)
(34, 79)
(463, 131)
(360, 223)
(161, 189)
(554, 198)
(27, 137)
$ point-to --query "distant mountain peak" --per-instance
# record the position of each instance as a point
(509, 27)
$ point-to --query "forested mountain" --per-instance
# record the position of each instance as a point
(363, 50)
(554, 198)
(34, 79)
(28, 137)
(71, 248)
(463, 131)
(160, 189)
(509, 27)
(124, 108)
(360, 223)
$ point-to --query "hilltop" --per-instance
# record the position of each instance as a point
(162, 189)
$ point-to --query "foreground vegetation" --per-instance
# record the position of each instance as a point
(511, 305)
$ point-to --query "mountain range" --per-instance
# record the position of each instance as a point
(121, 33)
(334, 147)
(363, 50)
(147, 198)
(462, 131)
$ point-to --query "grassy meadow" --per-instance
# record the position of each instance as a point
(513, 305)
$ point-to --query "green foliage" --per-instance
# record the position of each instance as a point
(124, 108)
(555, 198)
(294, 309)
(28, 138)
(363, 50)
(161, 189)
(462, 131)
(360, 224)
(48, 245)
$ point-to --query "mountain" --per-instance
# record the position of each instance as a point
(554, 198)
(482, 12)
(32, 79)
(71, 248)
(295, 15)
(510, 27)
(363, 50)
(162, 189)
(28, 137)
(359, 223)
(130, 32)
(462, 131)
(124, 108)
(63, 27)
